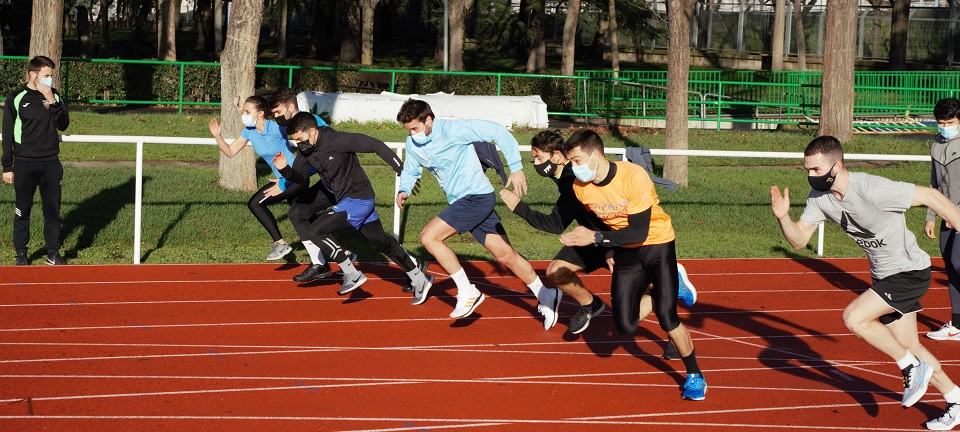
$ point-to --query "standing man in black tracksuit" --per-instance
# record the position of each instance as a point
(32, 117)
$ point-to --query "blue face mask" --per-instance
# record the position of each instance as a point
(583, 172)
(949, 132)
(48, 81)
(420, 138)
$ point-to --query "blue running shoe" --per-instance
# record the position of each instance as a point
(687, 293)
(695, 388)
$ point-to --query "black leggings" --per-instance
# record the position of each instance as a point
(259, 201)
(327, 223)
(634, 269)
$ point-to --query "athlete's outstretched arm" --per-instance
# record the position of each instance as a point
(937, 202)
(797, 233)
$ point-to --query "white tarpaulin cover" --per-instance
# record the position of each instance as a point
(527, 111)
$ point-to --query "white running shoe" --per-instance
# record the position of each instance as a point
(915, 382)
(548, 306)
(467, 303)
(949, 419)
(279, 251)
(947, 332)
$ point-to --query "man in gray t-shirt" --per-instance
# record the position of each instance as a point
(870, 210)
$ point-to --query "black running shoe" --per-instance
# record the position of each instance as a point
(55, 259)
(581, 320)
(670, 352)
(22, 259)
(314, 271)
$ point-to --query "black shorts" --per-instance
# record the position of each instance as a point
(902, 292)
(589, 258)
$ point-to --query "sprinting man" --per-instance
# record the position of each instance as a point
(945, 177)
(32, 116)
(267, 140)
(549, 161)
(641, 236)
(870, 209)
(334, 156)
(445, 148)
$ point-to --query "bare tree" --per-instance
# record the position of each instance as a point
(537, 49)
(679, 14)
(567, 50)
(169, 16)
(282, 47)
(350, 31)
(836, 104)
(203, 16)
(366, 51)
(614, 45)
(217, 27)
(456, 14)
(105, 23)
(801, 37)
(46, 35)
(236, 84)
(899, 26)
(779, 17)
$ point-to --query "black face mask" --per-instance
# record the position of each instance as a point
(546, 169)
(305, 147)
(822, 183)
(281, 121)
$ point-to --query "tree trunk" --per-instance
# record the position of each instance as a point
(369, 7)
(537, 51)
(524, 38)
(568, 50)
(801, 38)
(456, 15)
(899, 27)
(350, 31)
(599, 44)
(204, 23)
(104, 23)
(776, 55)
(83, 30)
(236, 84)
(679, 14)
(614, 45)
(46, 33)
(284, 12)
(836, 105)
(169, 16)
(218, 27)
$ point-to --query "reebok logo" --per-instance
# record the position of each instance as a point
(863, 237)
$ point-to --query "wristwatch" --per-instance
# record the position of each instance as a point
(597, 238)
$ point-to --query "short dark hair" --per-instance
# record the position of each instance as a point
(414, 109)
(547, 141)
(282, 95)
(586, 139)
(258, 101)
(39, 62)
(947, 109)
(301, 122)
(825, 145)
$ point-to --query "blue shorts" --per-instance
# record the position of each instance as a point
(474, 213)
(359, 212)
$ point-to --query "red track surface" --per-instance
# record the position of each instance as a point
(242, 347)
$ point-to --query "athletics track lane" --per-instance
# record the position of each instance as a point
(241, 347)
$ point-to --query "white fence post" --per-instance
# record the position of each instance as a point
(138, 204)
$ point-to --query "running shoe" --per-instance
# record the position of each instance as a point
(55, 259)
(420, 292)
(352, 282)
(947, 332)
(22, 259)
(581, 320)
(548, 305)
(687, 293)
(695, 388)
(314, 271)
(278, 251)
(915, 382)
(670, 352)
(467, 303)
(422, 265)
(947, 420)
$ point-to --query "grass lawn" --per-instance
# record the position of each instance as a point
(724, 212)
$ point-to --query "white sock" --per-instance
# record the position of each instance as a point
(314, 251)
(953, 396)
(535, 287)
(907, 360)
(463, 284)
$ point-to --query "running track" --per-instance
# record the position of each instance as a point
(243, 348)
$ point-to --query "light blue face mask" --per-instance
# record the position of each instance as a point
(248, 120)
(420, 138)
(583, 172)
(949, 132)
(48, 81)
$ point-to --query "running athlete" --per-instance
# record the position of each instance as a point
(445, 148)
(32, 117)
(267, 140)
(334, 156)
(548, 161)
(870, 209)
(641, 236)
(945, 177)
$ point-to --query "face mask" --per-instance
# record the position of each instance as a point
(248, 120)
(949, 132)
(281, 121)
(47, 81)
(546, 168)
(583, 172)
(420, 138)
(822, 183)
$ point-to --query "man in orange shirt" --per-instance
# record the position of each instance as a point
(641, 236)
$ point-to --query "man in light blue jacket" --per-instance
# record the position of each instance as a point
(445, 148)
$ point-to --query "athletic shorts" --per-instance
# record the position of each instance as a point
(359, 211)
(474, 214)
(589, 258)
(902, 292)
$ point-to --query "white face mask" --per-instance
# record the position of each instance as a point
(248, 120)
(949, 132)
(48, 81)
(420, 138)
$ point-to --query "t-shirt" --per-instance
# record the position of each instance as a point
(267, 144)
(872, 214)
(630, 191)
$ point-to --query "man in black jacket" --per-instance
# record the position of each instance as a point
(32, 116)
(334, 157)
